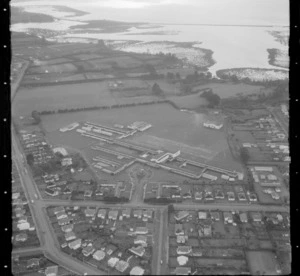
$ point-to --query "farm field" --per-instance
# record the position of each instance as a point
(61, 96)
(226, 90)
(261, 262)
(57, 68)
(193, 139)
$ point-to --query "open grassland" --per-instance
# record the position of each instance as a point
(58, 68)
(261, 262)
(62, 96)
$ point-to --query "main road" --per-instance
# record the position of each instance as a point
(44, 230)
(279, 119)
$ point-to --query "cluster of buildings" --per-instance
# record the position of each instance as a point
(284, 109)
(16, 67)
(268, 179)
(107, 254)
(23, 224)
(193, 192)
(35, 144)
(196, 235)
(113, 162)
(34, 264)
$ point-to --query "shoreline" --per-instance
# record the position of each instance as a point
(240, 74)
(274, 56)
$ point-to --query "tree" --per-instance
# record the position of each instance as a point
(29, 159)
(170, 76)
(178, 76)
(171, 209)
(156, 90)
(244, 154)
(36, 117)
(212, 98)
(209, 75)
(150, 68)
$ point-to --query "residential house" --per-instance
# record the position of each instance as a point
(180, 239)
(179, 229)
(141, 240)
(64, 221)
(88, 193)
(21, 237)
(34, 262)
(88, 250)
(137, 270)
(141, 230)
(113, 214)
(202, 215)
(215, 216)
(182, 260)
(207, 230)
(51, 270)
(67, 191)
(228, 218)
(22, 219)
(61, 215)
(20, 212)
(243, 217)
(102, 213)
(70, 236)
(121, 266)
(99, 255)
(139, 251)
(148, 213)
(51, 192)
(15, 195)
(112, 261)
(75, 244)
(137, 213)
(67, 228)
(257, 217)
(181, 215)
(90, 212)
(66, 161)
(126, 213)
(182, 270)
(184, 249)
(23, 226)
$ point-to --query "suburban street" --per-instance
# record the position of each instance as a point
(280, 119)
(44, 230)
(49, 243)
(48, 239)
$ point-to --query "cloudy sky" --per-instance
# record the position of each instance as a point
(254, 12)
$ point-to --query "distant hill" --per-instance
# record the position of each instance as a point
(18, 15)
(108, 26)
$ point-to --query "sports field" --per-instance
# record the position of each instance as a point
(171, 130)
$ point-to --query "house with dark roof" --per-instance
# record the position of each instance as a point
(182, 271)
(179, 229)
(113, 214)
